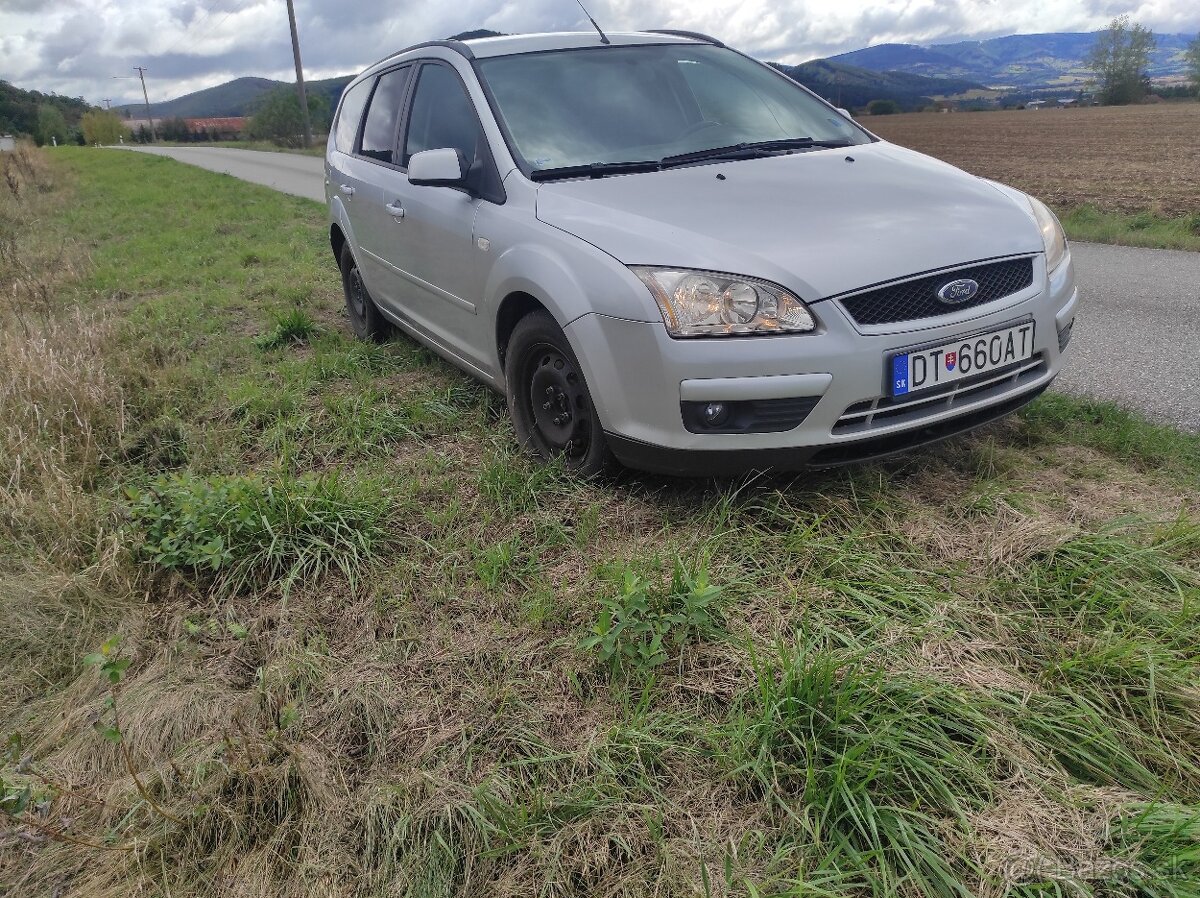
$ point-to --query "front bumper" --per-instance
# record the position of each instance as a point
(639, 376)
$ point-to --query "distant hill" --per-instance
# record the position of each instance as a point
(853, 87)
(1019, 60)
(232, 98)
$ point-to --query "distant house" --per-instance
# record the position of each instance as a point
(1068, 101)
(226, 128)
(8, 143)
(1035, 105)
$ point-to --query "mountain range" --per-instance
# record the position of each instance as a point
(1016, 61)
(914, 76)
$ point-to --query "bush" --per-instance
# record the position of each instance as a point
(639, 627)
(250, 531)
(277, 117)
(883, 107)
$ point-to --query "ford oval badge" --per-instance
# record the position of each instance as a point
(958, 291)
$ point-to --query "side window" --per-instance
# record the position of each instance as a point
(379, 132)
(349, 115)
(442, 116)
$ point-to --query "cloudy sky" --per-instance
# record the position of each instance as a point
(75, 47)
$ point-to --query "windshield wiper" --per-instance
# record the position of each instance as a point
(594, 170)
(751, 150)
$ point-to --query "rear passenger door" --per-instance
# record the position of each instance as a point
(347, 177)
(375, 162)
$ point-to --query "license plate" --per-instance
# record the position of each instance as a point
(923, 369)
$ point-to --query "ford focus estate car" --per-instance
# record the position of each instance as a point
(665, 251)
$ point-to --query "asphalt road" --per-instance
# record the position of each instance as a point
(1136, 339)
(291, 173)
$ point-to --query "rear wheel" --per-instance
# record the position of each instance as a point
(365, 318)
(548, 398)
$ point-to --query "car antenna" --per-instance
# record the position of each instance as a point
(603, 36)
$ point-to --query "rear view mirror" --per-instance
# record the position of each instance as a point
(436, 168)
(845, 112)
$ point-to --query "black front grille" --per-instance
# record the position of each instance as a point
(911, 300)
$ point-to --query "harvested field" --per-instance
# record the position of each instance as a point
(1119, 158)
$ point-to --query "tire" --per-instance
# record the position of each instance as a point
(365, 318)
(548, 398)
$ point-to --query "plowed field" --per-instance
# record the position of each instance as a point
(1117, 158)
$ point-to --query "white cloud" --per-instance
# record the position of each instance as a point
(75, 47)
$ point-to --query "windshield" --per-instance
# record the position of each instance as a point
(604, 105)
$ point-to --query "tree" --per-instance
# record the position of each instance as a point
(1119, 58)
(174, 129)
(883, 107)
(51, 126)
(1192, 57)
(101, 127)
(278, 118)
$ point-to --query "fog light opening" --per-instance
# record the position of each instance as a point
(714, 414)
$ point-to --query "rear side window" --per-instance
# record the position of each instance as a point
(442, 116)
(379, 131)
(349, 116)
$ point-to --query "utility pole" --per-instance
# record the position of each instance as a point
(299, 74)
(145, 96)
(107, 103)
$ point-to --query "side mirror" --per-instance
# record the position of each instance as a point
(845, 112)
(436, 168)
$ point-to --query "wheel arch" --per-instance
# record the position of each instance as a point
(337, 240)
(515, 306)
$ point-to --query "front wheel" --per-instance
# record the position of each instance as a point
(548, 398)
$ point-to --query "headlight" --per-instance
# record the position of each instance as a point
(1052, 233)
(704, 304)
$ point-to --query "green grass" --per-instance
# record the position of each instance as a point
(369, 647)
(1146, 229)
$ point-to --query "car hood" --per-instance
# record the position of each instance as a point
(815, 222)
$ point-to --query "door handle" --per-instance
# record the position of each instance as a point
(347, 189)
(395, 209)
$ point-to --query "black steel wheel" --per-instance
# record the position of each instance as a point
(548, 397)
(365, 318)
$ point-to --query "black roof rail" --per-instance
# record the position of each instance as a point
(457, 46)
(694, 35)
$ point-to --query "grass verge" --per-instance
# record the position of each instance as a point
(291, 614)
(1145, 229)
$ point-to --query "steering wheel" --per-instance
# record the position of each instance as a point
(697, 127)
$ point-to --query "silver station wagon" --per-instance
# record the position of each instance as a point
(665, 251)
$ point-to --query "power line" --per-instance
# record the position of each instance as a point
(241, 7)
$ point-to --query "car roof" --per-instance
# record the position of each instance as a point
(508, 44)
(511, 44)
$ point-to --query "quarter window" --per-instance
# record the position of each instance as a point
(442, 116)
(379, 132)
(349, 116)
